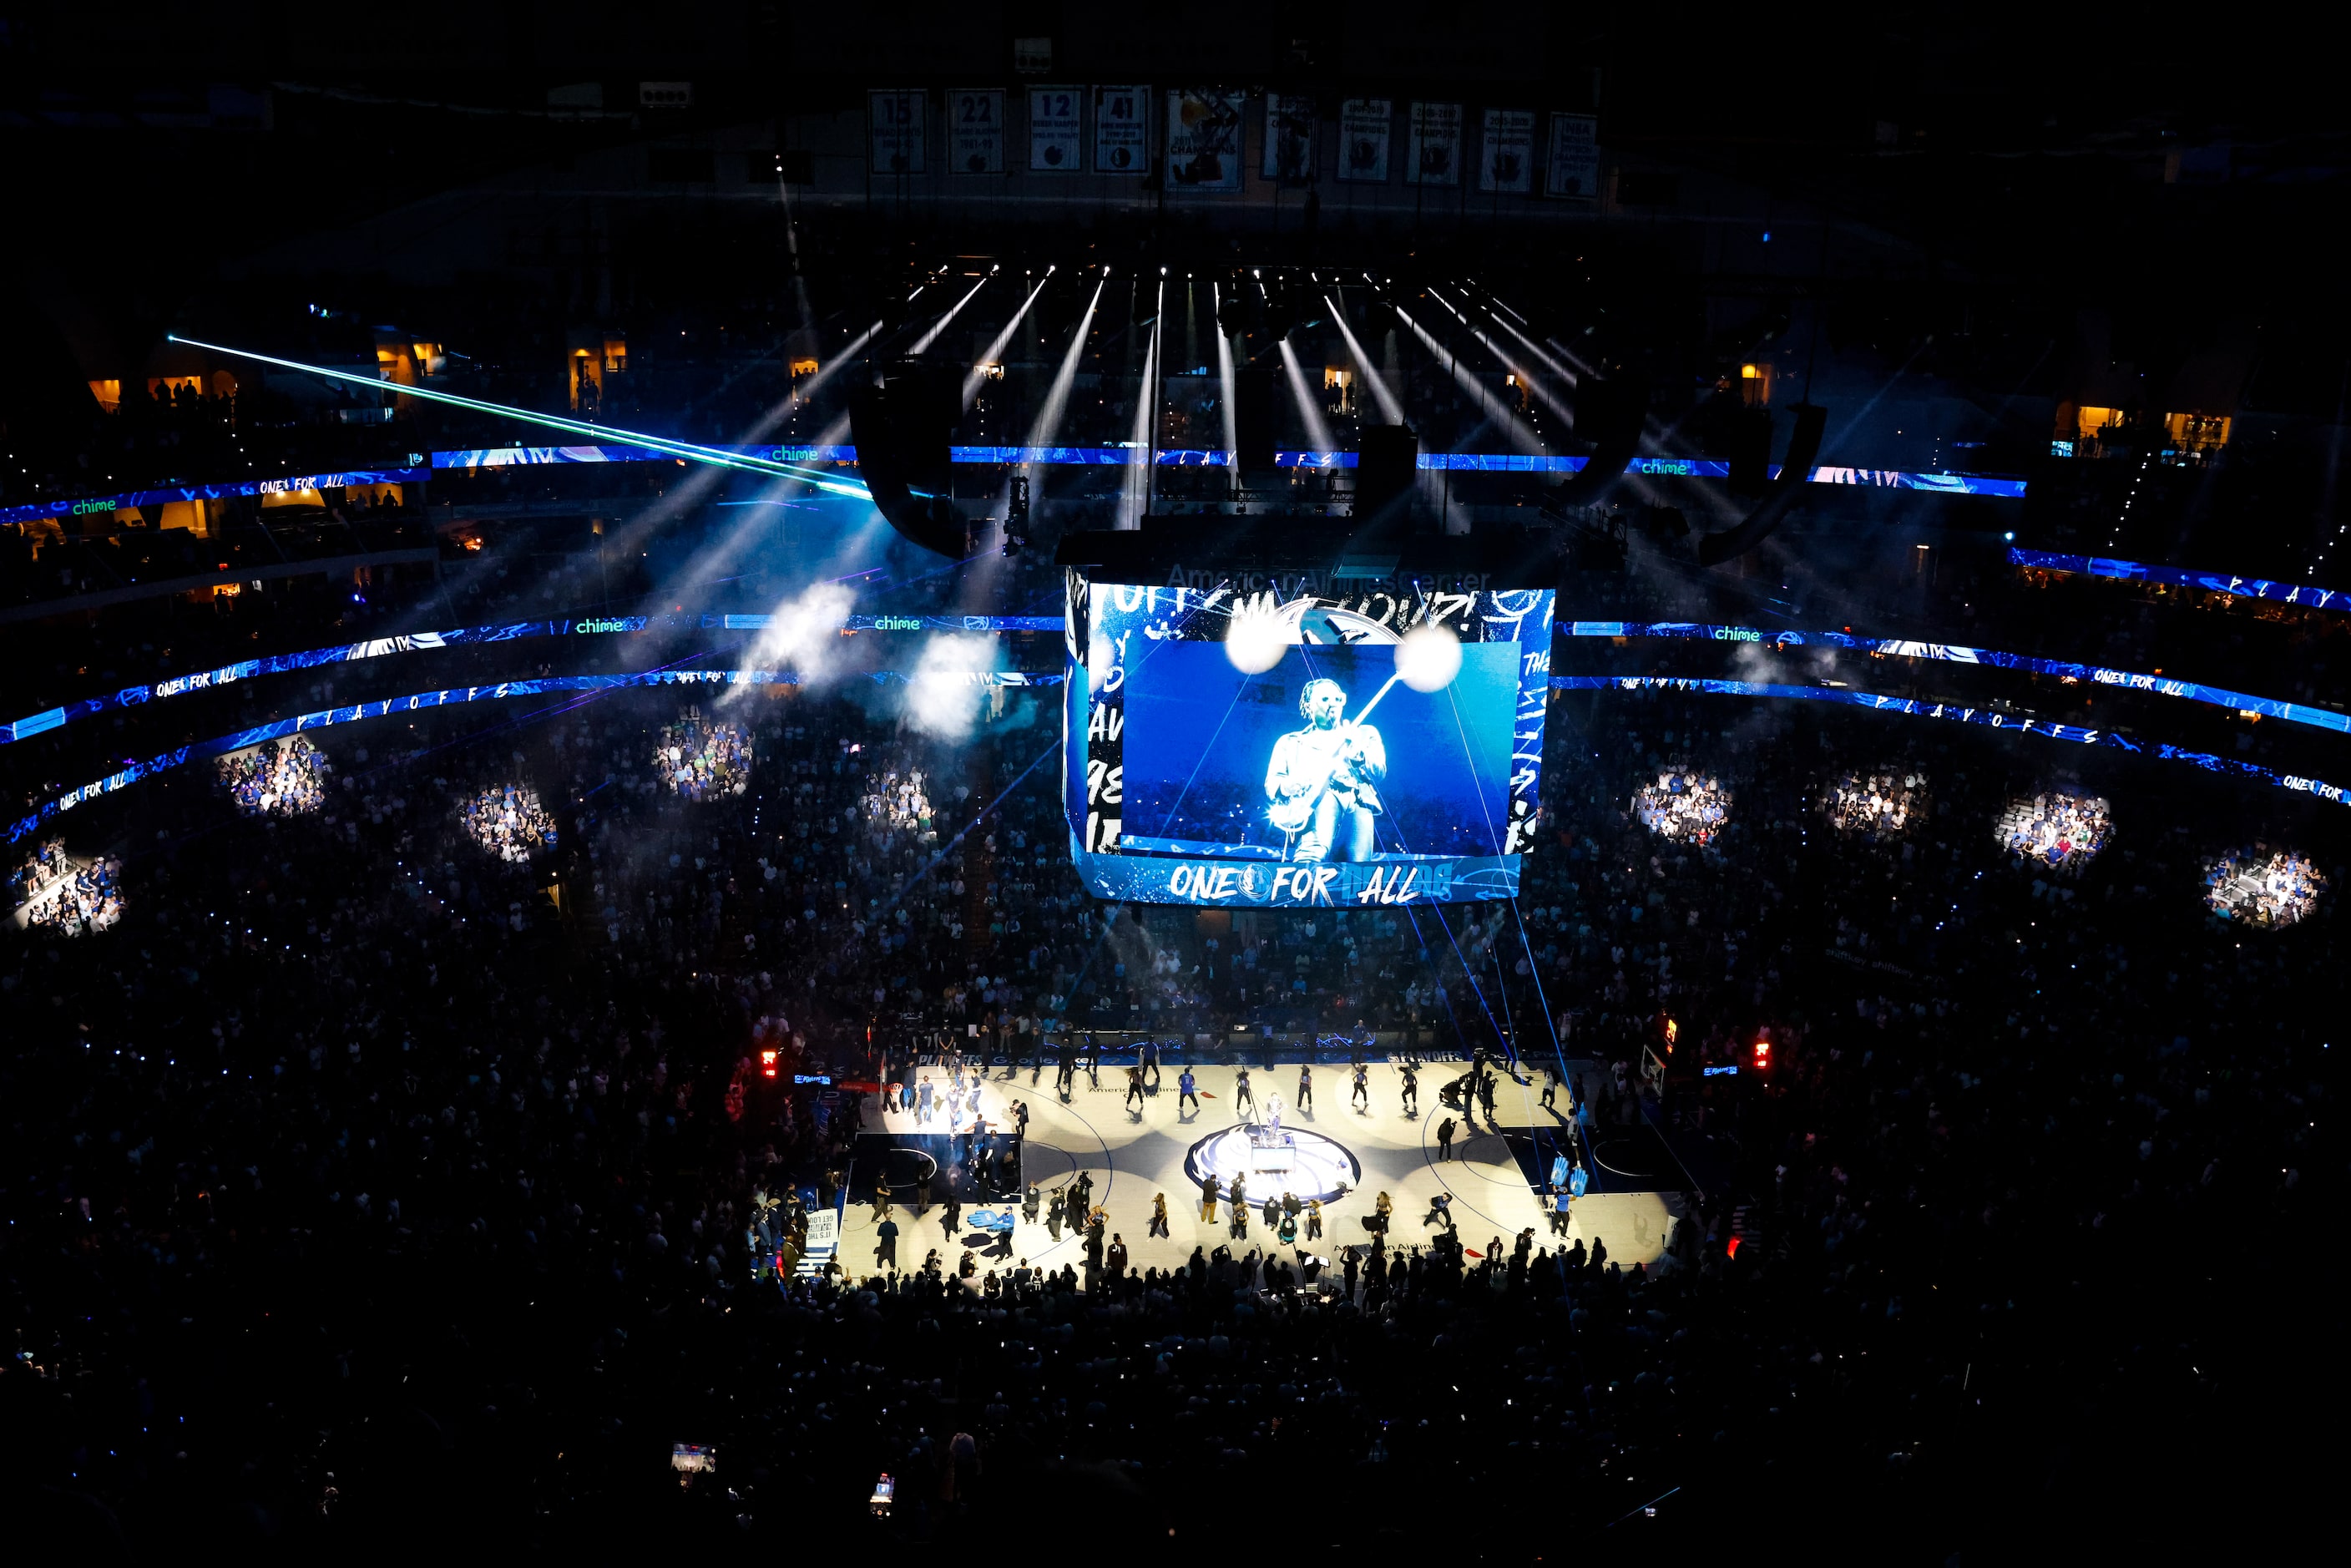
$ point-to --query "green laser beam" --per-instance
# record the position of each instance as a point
(686, 450)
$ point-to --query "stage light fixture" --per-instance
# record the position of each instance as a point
(1257, 640)
(1428, 657)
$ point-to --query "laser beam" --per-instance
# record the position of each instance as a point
(686, 450)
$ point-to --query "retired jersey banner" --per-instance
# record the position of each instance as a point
(1055, 135)
(976, 131)
(1574, 169)
(1364, 125)
(897, 120)
(1433, 156)
(1506, 162)
(1289, 139)
(1122, 132)
(1204, 139)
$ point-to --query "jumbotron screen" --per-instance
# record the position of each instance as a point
(1303, 743)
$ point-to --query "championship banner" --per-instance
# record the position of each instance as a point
(1122, 134)
(896, 117)
(1055, 136)
(1433, 156)
(1204, 139)
(1288, 141)
(976, 131)
(1572, 170)
(1506, 162)
(1363, 124)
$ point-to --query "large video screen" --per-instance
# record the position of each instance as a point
(1317, 746)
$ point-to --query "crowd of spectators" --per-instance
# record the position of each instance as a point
(2263, 887)
(288, 777)
(1876, 806)
(33, 864)
(508, 821)
(703, 759)
(80, 898)
(356, 1195)
(2058, 829)
(359, 1196)
(1683, 805)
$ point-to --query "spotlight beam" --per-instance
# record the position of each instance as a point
(1390, 409)
(1557, 366)
(1487, 403)
(1225, 376)
(939, 326)
(1533, 385)
(978, 372)
(846, 357)
(1316, 431)
(688, 451)
(1142, 449)
(1668, 437)
(1057, 397)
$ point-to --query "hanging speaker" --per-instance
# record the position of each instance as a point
(1750, 451)
(1610, 414)
(1387, 467)
(1804, 447)
(901, 430)
(1254, 421)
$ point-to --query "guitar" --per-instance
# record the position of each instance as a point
(1292, 815)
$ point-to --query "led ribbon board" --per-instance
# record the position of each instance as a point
(418, 641)
(135, 770)
(1219, 888)
(505, 631)
(2177, 577)
(1956, 713)
(1954, 652)
(784, 461)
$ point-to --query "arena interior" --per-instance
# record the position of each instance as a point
(1521, 784)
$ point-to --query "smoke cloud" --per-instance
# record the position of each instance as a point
(805, 636)
(943, 697)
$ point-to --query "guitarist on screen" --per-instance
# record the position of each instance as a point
(1321, 779)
